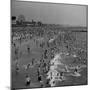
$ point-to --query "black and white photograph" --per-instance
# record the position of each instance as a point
(49, 44)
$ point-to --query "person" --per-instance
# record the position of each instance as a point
(27, 80)
(27, 66)
(76, 72)
(38, 70)
(47, 83)
(61, 77)
(28, 49)
(20, 40)
(52, 83)
(33, 60)
(14, 45)
(45, 68)
(17, 68)
(61, 73)
(40, 80)
(16, 52)
(39, 77)
(45, 54)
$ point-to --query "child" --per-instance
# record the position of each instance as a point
(28, 80)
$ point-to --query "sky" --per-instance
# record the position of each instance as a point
(63, 14)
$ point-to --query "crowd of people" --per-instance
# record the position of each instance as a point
(50, 44)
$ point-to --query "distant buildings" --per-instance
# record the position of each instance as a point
(20, 21)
